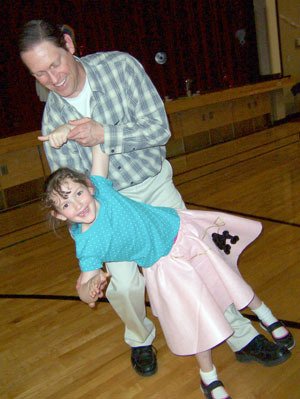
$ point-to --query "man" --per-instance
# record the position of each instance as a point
(111, 101)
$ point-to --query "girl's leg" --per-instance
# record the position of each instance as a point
(269, 322)
(210, 385)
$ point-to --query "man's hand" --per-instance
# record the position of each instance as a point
(58, 137)
(86, 132)
(96, 286)
(91, 285)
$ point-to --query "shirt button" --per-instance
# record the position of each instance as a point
(131, 183)
(119, 167)
(112, 151)
(133, 149)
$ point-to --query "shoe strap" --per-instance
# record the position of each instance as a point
(207, 389)
(213, 385)
(274, 326)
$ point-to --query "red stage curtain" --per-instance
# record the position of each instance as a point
(198, 36)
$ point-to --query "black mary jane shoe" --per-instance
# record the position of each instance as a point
(263, 351)
(207, 389)
(287, 341)
(143, 360)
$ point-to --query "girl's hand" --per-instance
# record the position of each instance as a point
(79, 281)
(58, 137)
(96, 286)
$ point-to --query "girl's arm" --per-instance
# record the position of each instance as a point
(100, 162)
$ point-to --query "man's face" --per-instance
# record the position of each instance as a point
(55, 68)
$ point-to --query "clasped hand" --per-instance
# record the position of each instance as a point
(96, 286)
(91, 286)
(85, 132)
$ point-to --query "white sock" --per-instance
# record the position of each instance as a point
(265, 315)
(209, 377)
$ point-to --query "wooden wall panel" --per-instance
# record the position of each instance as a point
(251, 107)
(21, 166)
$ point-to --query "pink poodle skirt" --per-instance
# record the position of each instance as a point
(191, 287)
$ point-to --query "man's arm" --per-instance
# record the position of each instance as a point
(148, 126)
(144, 122)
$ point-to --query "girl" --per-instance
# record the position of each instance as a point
(189, 260)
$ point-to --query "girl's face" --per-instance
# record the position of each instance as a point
(79, 206)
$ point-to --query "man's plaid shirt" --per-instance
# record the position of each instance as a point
(131, 111)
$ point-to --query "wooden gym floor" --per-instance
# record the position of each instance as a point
(54, 347)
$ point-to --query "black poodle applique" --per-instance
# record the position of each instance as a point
(220, 241)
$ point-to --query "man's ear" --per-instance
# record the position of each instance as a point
(58, 215)
(69, 43)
